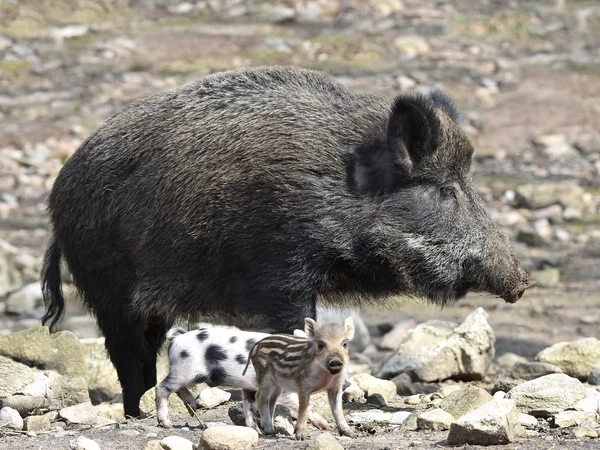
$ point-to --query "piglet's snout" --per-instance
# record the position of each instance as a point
(335, 364)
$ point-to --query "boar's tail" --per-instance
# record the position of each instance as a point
(174, 332)
(52, 286)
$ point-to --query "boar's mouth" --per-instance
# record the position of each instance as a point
(515, 295)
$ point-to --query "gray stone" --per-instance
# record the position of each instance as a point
(439, 350)
(102, 380)
(376, 400)
(25, 405)
(547, 395)
(211, 397)
(594, 376)
(236, 414)
(530, 370)
(229, 437)
(112, 411)
(176, 406)
(404, 384)
(460, 402)
(549, 277)
(510, 359)
(10, 418)
(584, 432)
(372, 385)
(590, 403)
(374, 415)
(10, 276)
(324, 441)
(37, 424)
(153, 445)
(410, 423)
(25, 299)
(527, 421)
(14, 376)
(528, 235)
(83, 414)
(566, 419)
(535, 196)
(31, 346)
(491, 424)
(434, 420)
(505, 385)
(176, 443)
(362, 337)
(411, 46)
(353, 394)
(83, 443)
(576, 358)
(392, 338)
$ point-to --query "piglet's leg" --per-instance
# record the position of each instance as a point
(265, 391)
(249, 400)
(188, 400)
(162, 405)
(304, 399)
(334, 393)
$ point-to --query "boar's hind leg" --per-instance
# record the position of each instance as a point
(154, 337)
(287, 313)
(126, 346)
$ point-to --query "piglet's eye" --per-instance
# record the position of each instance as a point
(448, 192)
(345, 344)
(321, 346)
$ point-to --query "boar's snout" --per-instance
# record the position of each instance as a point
(524, 282)
(506, 277)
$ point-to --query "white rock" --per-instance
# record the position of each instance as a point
(372, 385)
(438, 350)
(10, 418)
(354, 394)
(498, 395)
(83, 443)
(411, 46)
(370, 416)
(392, 338)
(576, 358)
(228, 437)
(527, 421)
(40, 387)
(399, 417)
(81, 414)
(435, 420)
(176, 443)
(547, 395)
(324, 441)
(566, 419)
(491, 424)
(590, 403)
(211, 397)
(14, 376)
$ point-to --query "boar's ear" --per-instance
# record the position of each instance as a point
(412, 129)
(373, 169)
(310, 327)
(349, 326)
(380, 167)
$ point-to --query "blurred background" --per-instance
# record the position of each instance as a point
(525, 73)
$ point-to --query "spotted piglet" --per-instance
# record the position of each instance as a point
(216, 356)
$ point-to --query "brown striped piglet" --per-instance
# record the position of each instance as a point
(286, 363)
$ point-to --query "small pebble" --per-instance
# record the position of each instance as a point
(31, 434)
(376, 399)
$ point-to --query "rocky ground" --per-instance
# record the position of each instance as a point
(526, 74)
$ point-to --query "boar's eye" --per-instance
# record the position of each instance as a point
(321, 346)
(449, 192)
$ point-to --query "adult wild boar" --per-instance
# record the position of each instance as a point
(249, 193)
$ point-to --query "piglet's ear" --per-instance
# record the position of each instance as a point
(349, 327)
(309, 327)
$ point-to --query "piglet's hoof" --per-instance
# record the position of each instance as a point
(300, 436)
(348, 432)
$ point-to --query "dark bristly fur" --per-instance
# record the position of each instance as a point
(249, 193)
